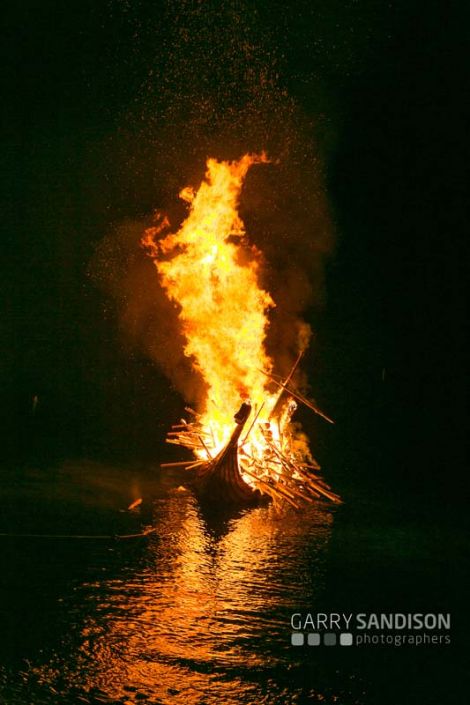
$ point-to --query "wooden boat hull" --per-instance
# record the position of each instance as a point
(220, 480)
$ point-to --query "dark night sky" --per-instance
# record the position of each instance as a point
(109, 107)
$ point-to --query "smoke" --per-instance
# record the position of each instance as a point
(147, 320)
(286, 212)
(215, 88)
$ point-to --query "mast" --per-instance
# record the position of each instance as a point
(283, 392)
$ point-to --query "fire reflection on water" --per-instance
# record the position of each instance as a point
(208, 610)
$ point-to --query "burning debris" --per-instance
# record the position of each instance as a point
(210, 271)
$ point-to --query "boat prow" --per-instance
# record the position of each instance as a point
(220, 480)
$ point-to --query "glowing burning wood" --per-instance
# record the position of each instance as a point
(211, 272)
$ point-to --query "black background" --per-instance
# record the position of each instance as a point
(385, 82)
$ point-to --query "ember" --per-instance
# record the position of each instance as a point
(211, 272)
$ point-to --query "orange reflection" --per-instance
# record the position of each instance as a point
(212, 603)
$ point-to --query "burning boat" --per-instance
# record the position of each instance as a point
(236, 476)
(211, 273)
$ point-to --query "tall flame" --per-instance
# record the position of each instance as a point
(211, 272)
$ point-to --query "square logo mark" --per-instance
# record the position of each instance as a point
(297, 639)
(346, 639)
(329, 639)
(313, 639)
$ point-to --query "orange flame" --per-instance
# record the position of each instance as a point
(211, 273)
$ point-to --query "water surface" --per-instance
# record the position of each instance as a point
(199, 611)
